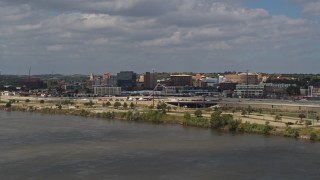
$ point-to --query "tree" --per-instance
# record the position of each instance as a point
(116, 105)
(108, 103)
(301, 116)
(41, 101)
(198, 113)
(27, 100)
(125, 105)
(318, 118)
(132, 105)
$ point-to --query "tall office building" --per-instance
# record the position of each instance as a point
(127, 80)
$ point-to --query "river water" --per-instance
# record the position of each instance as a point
(35, 146)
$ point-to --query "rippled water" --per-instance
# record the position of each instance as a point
(35, 146)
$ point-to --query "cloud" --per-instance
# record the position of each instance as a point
(312, 9)
(209, 35)
(55, 48)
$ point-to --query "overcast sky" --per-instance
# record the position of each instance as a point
(84, 36)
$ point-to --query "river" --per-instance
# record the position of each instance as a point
(36, 146)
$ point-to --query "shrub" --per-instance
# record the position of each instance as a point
(90, 103)
(66, 102)
(313, 136)
(27, 100)
(219, 120)
(233, 124)
(253, 128)
(162, 106)
(84, 113)
(198, 113)
(277, 118)
(129, 115)
(12, 101)
(215, 120)
(250, 110)
(291, 132)
(244, 112)
(133, 116)
(308, 123)
(187, 116)
(8, 104)
(41, 101)
(195, 121)
(267, 128)
(107, 115)
(123, 115)
(153, 116)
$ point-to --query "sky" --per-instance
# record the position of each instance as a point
(97, 36)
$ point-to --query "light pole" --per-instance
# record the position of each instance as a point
(153, 87)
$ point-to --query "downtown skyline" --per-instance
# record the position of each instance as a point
(81, 36)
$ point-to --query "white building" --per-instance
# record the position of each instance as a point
(104, 90)
(8, 93)
(249, 91)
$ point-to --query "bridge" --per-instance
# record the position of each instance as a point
(193, 104)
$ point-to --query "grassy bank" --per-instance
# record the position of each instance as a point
(217, 119)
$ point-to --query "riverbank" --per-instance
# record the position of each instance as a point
(226, 120)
